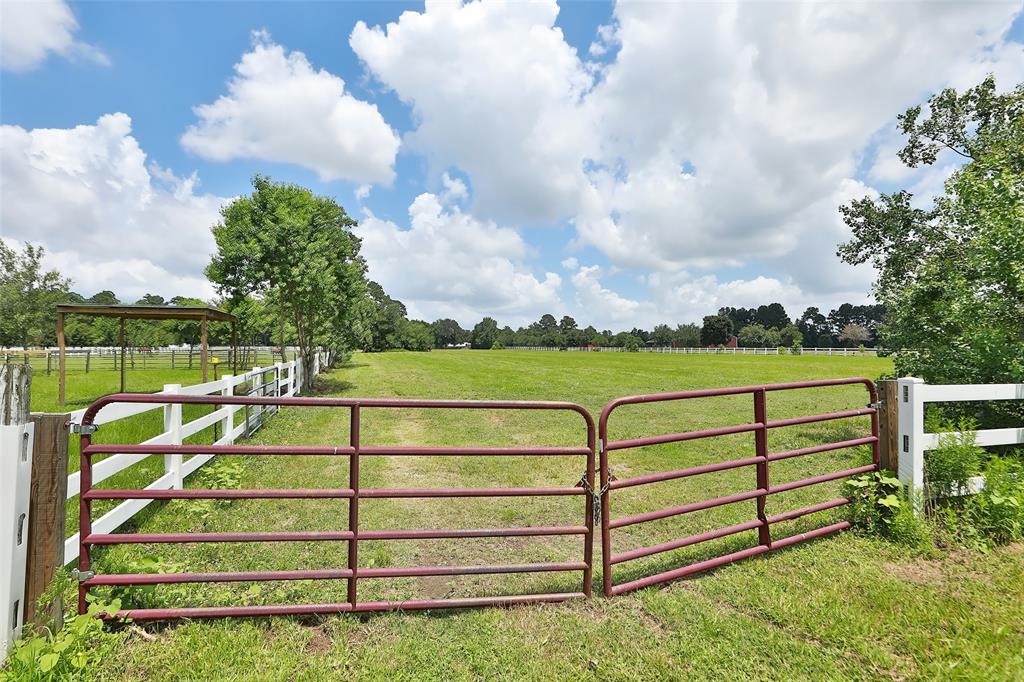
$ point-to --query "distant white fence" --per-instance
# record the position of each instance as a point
(282, 379)
(913, 442)
(785, 350)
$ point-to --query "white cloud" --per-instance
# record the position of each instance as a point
(772, 105)
(449, 264)
(718, 135)
(105, 216)
(29, 31)
(495, 91)
(279, 108)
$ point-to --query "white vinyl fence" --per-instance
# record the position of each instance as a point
(914, 442)
(282, 379)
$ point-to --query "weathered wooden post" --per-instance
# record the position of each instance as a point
(46, 516)
(888, 424)
(15, 479)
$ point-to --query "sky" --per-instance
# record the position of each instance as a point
(624, 163)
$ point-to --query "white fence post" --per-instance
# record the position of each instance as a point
(227, 425)
(911, 435)
(16, 432)
(278, 370)
(172, 426)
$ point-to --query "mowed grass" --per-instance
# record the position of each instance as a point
(842, 607)
(82, 388)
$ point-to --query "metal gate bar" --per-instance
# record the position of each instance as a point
(354, 450)
(760, 426)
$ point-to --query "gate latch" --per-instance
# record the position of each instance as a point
(82, 576)
(84, 429)
(595, 495)
(877, 406)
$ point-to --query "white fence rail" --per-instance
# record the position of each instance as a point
(784, 350)
(913, 442)
(286, 380)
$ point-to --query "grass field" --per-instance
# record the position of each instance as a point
(843, 607)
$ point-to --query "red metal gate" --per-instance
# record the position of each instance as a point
(354, 450)
(760, 426)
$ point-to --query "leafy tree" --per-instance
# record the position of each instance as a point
(104, 330)
(950, 276)
(790, 336)
(632, 343)
(662, 335)
(416, 335)
(567, 324)
(686, 336)
(448, 332)
(286, 242)
(547, 322)
(386, 320)
(717, 330)
(758, 336)
(485, 333)
(28, 296)
(184, 331)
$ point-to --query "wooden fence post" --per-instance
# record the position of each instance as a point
(888, 425)
(46, 516)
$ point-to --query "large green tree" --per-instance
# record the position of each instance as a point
(952, 276)
(285, 242)
(28, 296)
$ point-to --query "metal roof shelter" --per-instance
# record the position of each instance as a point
(200, 314)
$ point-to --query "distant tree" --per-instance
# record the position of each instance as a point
(815, 328)
(758, 336)
(28, 297)
(151, 299)
(547, 322)
(632, 343)
(386, 320)
(686, 336)
(286, 242)
(790, 336)
(485, 333)
(740, 317)
(772, 316)
(640, 334)
(662, 335)
(854, 335)
(448, 332)
(717, 330)
(416, 335)
(567, 324)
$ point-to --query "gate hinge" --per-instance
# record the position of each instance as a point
(877, 406)
(82, 576)
(84, 429)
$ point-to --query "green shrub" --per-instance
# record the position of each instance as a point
(879, 506)
(72, 653)
(949, 468)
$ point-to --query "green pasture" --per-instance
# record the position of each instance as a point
(837, 608)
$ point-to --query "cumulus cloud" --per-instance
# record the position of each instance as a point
(717, 134)
(29, 31)
(279, 108)
(447, 263)
(103, 213)
(495, 91)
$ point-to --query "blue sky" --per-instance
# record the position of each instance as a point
(624, 164)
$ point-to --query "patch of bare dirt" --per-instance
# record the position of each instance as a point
(920, 572)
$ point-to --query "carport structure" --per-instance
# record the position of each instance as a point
(200, 314)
